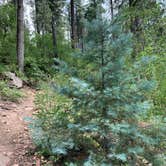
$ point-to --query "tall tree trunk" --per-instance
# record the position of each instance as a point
(112, 9)
(72, 16)
(79, 25)
(36, 17)
(54, 36)
(20, 35)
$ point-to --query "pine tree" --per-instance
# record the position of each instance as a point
(93, 9)
(56, 8)
(43, 17)
(108, 100)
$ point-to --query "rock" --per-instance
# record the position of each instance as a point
(4, 122)
(9, 154)
(14, 80)
(8, 131)
(4, 115)
(4, 153)
(26, 129)
(14, 141)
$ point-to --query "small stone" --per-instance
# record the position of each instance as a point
(14, 141)
(25, 129)
(9, 154)
(4, 115)
(8, 131)
(4, 122)
(4, 153)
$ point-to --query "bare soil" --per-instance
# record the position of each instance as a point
(15, 144)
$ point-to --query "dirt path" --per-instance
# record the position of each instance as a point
(15, 143)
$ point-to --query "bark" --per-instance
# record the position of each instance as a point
(134, 20)
(112, 9)
(54, 36)
(20, 35)
(37, 20)
(54, 21)
(72, 15)
(79, 27)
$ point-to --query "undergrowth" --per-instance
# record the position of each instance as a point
(11, 94)
(53, 109)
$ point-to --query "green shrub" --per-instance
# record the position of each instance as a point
(11, 94)
(52, 116)
(156, 70)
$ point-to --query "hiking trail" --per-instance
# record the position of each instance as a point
(15, 142)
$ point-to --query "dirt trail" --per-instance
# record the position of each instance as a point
(14, 137)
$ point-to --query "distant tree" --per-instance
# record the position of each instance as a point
(79, 24)
(56, 7)
(135, 20)
(72, 22)
(94, 9)
(43, 17)
(112, 9)
(37, 12)
(91, 12)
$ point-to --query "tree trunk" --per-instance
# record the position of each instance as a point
(79, 25)
(112, 9)
(36, 17)
(54, 36)
(134, 19)
(20, 35)
(72, 15)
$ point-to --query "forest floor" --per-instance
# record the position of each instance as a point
(15, 144)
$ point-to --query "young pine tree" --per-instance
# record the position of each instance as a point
(107, 99)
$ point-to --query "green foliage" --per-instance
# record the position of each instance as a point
(52, 116)
(36, 60)
(39, 51)
(94, 9)
(156, 69)
(11, 94)
(106, 102)
(149, 39)
(7, 34)
(43, 16)
(39, 61)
